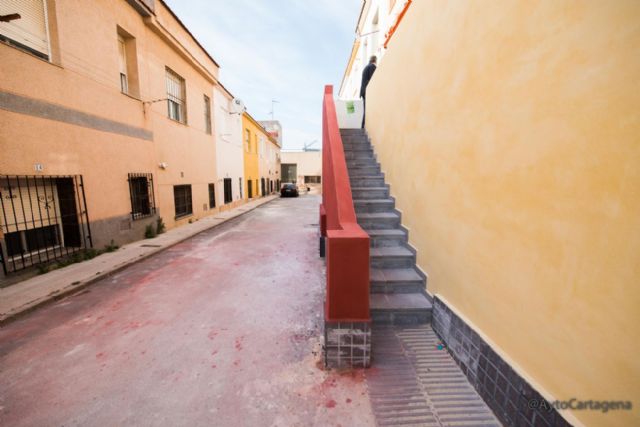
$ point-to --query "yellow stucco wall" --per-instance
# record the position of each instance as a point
(510, 136)
(250, 150)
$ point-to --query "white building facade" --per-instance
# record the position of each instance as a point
(377, 22)
(229, 154)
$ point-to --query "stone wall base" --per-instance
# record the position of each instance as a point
(347, 344)
(511, 398)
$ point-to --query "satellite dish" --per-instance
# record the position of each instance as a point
(238, 106)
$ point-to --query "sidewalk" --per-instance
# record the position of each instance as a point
(31, 293)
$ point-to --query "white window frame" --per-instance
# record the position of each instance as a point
(176, 96)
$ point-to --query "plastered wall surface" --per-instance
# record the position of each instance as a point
(510, 136)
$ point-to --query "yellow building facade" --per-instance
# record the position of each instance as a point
(510, 138)
(261, 159)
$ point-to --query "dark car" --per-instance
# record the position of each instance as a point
(289, 190)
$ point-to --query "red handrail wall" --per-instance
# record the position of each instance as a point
(347, 245)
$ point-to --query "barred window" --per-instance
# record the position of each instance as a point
(182, 200)
(141, 192)
(312, 179)
(176, 97)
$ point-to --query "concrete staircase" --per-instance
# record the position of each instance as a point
(397, 288)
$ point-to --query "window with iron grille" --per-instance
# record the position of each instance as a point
(212, 196)
(228, 192)
(176, 97)
(207, 114)
(142, 196)
(312, 179)
(240, 186)
(182, 200)
(42, 219)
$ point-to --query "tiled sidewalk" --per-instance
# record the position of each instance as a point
(413, 382)
(31, 293)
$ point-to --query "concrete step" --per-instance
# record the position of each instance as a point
(374, 205)
(400, 309)
(369, 192)
(349, 131)
(359, 155)
(389, 237)
(361, 161)
(391, 257)
(377, 221)
(357, 147)
(367, 181)
(364, 170)
(396, 280)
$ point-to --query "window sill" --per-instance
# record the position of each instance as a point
(183, 216)
(137, 217)
(31, 54)
(178, 121)
(128, 95)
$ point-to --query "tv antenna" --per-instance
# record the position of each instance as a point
(273, 108)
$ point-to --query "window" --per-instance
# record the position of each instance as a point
(176, 97)
(182, 200)
(289, 172)
(207, 114)
(29, 31)
(240, 186)
(228, 193)
(122, 62)
(43, 218)
(312, 179)
(249, 189)
(247, 135)
(212, 196)
(141, 192)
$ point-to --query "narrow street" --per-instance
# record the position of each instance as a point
(222, 329)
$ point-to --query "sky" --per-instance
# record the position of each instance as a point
(285, 50)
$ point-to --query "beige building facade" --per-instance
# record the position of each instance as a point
(303, 168)
(107, 125)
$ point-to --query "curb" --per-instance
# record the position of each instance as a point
(80, 286)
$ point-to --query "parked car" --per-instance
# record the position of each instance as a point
(289, 190)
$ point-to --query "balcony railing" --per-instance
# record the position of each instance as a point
(347, 245)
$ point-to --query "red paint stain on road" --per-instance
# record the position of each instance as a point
(100, 355)
(239, 343)
(330, 403)
(348, 400)
(212, 334)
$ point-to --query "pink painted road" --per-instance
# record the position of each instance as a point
(222, 329)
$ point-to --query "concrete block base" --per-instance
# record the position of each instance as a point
(347, 344)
